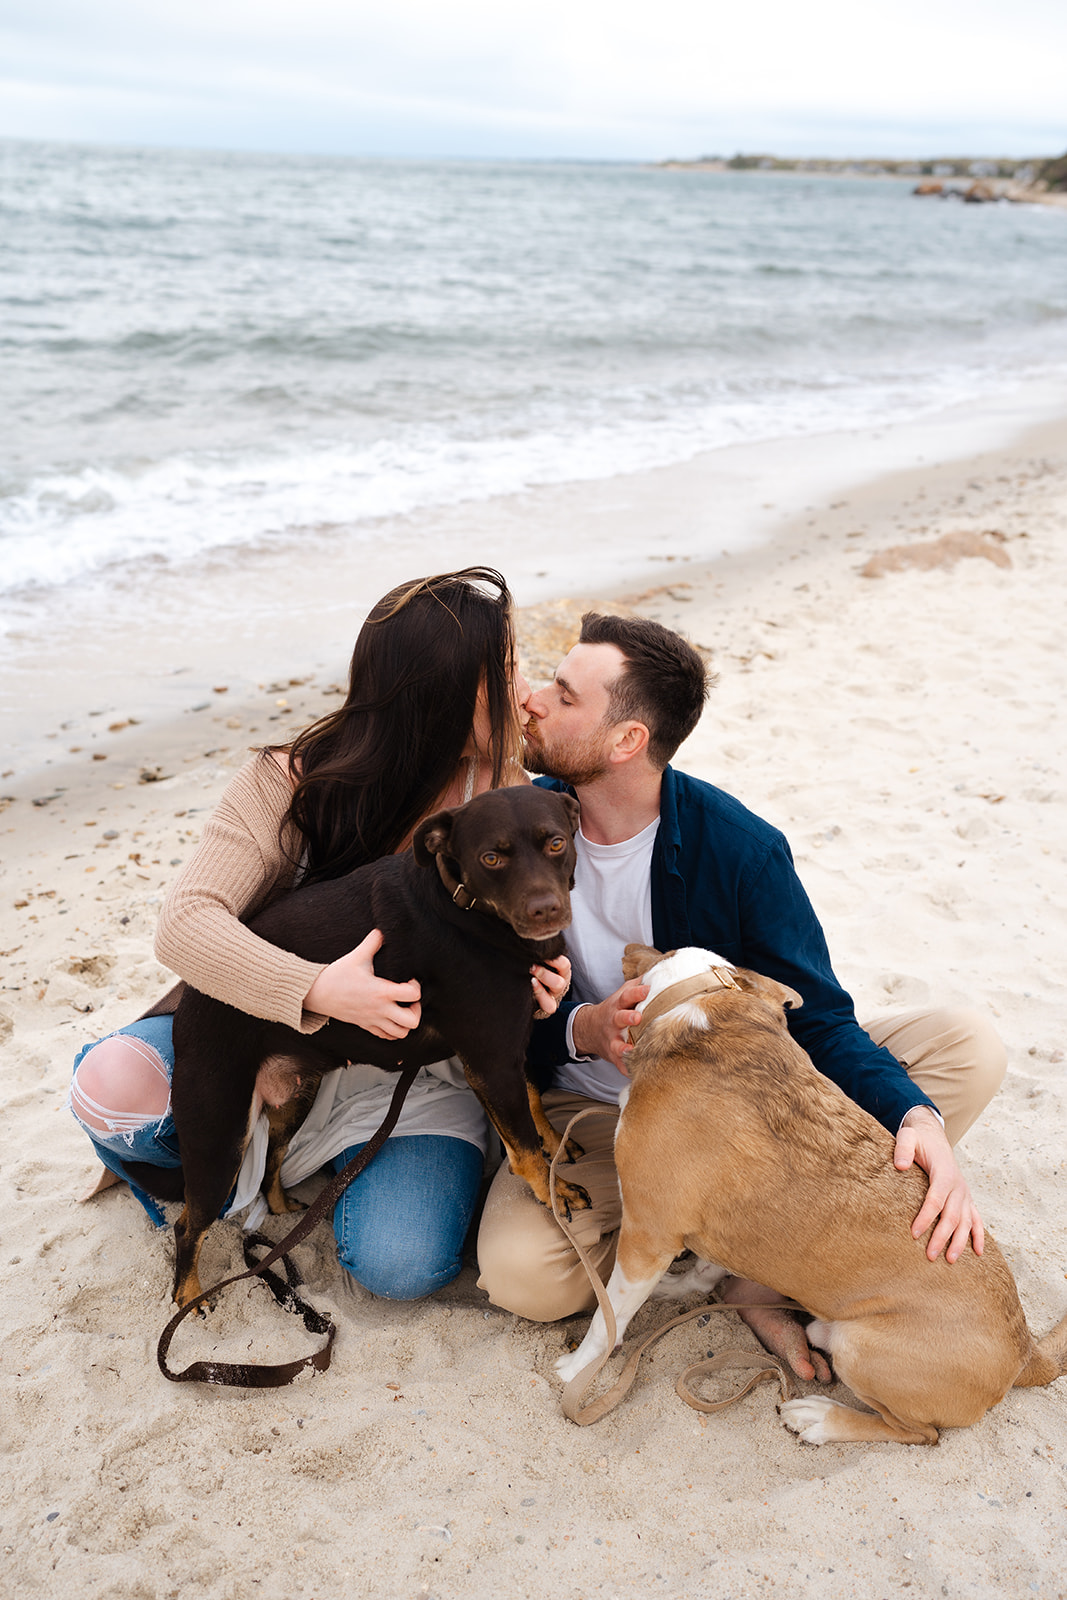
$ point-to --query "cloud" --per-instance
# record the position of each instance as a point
(580, 78)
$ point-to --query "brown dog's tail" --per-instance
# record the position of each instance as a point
(1047, 1361)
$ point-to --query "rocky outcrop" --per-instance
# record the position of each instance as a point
(1054, 175)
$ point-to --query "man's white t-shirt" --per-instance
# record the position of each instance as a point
(611, 906)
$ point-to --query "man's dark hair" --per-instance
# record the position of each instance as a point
(664, 683)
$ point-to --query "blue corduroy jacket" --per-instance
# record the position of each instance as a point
(724, 880)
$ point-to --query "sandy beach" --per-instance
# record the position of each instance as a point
(900, 718)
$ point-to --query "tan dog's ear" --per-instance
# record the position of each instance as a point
(637, 959)
(779, 994)
(432, 837)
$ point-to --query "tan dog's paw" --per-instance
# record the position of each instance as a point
(701, 1278)
(569, 1366)
(812, 1418)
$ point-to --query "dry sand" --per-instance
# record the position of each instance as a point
(906, 732)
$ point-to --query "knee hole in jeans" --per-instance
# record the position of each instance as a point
(120, 1084)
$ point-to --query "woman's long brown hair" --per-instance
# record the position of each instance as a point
(368, 772)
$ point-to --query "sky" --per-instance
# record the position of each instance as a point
(579, 79)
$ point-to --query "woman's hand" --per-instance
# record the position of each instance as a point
(349, 991)
(550, 984)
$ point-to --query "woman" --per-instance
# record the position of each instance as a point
(432, 717)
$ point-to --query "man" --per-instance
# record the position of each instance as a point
(669, 860)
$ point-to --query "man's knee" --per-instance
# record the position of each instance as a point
(987, 1051)
(970, 1043)
(957, 1057)
(535, 1284)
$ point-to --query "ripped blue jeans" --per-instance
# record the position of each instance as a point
(400, 1227)
(155, 1140)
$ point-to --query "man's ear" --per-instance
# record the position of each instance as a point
(628, 741)
(432, 837)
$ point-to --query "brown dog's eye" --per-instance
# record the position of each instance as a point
(492, 859)
(556, 846)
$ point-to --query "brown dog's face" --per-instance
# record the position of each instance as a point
(513, 850)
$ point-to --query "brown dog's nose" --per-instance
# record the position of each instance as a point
(544, 908)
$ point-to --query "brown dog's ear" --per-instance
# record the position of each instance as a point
(779, 994)
(574, 811)
(432, 837)
(637, 959)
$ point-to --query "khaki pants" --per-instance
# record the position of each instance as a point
(527, 1265)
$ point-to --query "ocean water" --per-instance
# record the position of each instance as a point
(211, 352)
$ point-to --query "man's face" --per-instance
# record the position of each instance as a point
(568, 735)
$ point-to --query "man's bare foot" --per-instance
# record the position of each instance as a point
(777, 1331)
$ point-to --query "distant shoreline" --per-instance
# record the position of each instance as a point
(1037, 180)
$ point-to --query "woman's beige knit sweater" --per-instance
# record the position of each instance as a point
(243, 861)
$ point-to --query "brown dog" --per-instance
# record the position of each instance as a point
(777, 1176)
(484, 894)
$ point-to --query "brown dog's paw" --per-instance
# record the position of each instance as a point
(186, 1291)
(571, 1197)
(281, 1203)
(572, 1151)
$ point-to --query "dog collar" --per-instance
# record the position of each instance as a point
(685, 989)
(458, 892)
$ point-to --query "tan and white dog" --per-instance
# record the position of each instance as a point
(732, 1145)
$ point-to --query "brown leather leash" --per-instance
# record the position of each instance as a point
(768, 1368)
(252, 1375)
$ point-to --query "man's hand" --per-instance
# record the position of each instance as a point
(348, 990)
(599, 1030)
(922, 1141)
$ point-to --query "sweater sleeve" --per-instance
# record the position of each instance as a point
(239, 864)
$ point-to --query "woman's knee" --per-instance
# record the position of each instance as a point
(410, 1273)
(120, 1079)
(401, 1227)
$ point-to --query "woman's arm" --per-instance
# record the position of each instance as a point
(237, 866)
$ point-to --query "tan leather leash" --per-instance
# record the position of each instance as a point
(251, 1375)
(768, 1368)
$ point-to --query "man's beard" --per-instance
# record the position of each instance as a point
(578, 764)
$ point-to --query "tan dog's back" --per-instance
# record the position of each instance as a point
(732, 1145)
